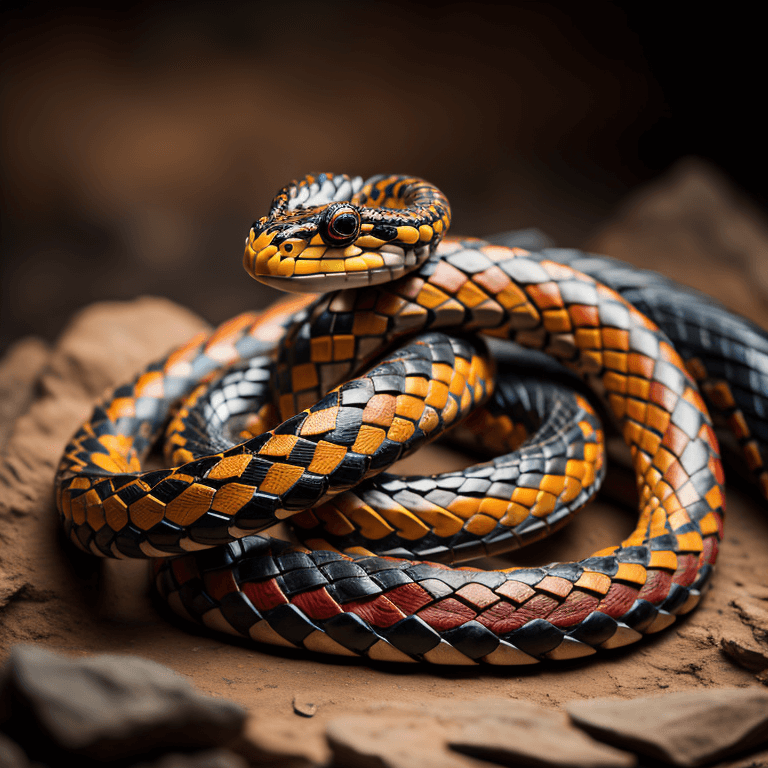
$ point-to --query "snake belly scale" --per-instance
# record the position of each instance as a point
(385, 238)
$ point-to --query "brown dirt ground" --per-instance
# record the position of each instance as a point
(53, 595)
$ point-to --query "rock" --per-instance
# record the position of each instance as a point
(754, 613)
(304, 706)
(108, 705)
(272, 740)
(535, 737)
(741, 646)
(506, 731)
(213, 758)
(11, 754)
(747, 644)
(686, 728)
(19, 369)
(693, 226)
(392, 741)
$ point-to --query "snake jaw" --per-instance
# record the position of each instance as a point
(303, 275)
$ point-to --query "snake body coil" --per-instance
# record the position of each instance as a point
(338, 432)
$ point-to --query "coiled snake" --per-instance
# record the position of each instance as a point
(324, 464)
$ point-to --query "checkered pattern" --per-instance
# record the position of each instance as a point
(387, 607)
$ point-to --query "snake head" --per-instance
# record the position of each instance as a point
(330, 231)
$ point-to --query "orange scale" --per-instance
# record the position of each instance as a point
(264, 594)
(320, 421)
(675, 440)
(752, 454)
(720, 394)
(545, 296)
(739, 425)
(695, 399)
(614, 338)
(448, 277)
(640, 365)
(493, 279)
(716, 468)
(555, 585)
(380, 410)
(676, 476)
(662, 396)
(586, 315)
(479, 595)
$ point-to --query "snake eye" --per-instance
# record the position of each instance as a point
(343, 226)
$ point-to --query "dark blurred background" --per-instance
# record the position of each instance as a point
(138, 145)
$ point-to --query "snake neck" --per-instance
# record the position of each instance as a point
(331, 231)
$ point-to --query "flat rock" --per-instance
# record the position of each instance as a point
(209, 758)
(393, 741)
(272, 740)
(686, 728)
(535, 737)
(505, 731)
(108, 705)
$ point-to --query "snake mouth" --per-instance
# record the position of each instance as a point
(323, 283)
(318, 270)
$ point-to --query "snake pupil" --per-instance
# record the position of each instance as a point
(345, 224)
(288, 247)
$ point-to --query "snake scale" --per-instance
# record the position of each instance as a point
(362, 377)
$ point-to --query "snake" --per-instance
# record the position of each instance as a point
(298, 412)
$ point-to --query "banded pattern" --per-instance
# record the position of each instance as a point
(483, 510)
(727, 355)
(388, 607)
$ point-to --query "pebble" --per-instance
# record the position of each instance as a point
(304, 706)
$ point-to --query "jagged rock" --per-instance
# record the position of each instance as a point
(686, 728)
(108, 705)
(754, 613)
(747, 644)
(506, 731)
(745, 650)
